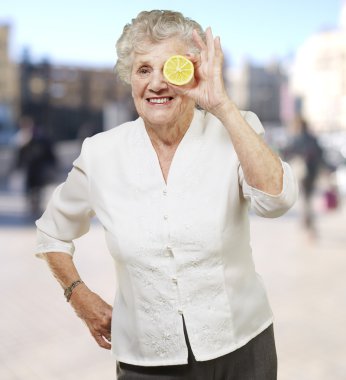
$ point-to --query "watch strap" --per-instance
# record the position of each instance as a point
(68, 291)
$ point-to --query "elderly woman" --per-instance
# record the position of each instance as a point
(172, 190)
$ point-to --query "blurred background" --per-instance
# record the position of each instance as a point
(285, 62)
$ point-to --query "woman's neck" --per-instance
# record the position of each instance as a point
(168, 135)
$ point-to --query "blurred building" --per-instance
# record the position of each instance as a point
(319, 78)
(259, 89)
(9, 89)
(68, 101)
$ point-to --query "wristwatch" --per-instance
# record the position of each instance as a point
(68, 291)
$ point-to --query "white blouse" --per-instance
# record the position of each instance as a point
(180, 248)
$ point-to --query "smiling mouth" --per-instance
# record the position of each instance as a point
(159, 100)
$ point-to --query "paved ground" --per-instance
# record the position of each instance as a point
(41, 338)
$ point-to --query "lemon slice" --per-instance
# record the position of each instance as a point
(178, 70)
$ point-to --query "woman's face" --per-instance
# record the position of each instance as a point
(155, 101)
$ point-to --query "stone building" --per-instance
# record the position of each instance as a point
(69, 101)
(258, 88)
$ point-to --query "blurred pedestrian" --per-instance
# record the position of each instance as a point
(189, 303)
(25, 131)
(37, 159)
(305, 145)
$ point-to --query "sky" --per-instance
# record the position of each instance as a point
(79, 32)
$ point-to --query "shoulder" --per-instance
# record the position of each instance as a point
(115, 138)
(105, 146)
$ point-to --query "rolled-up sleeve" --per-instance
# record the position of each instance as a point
(264, 204)
(268, 205)
(68, 212)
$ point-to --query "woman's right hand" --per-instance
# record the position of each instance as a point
(208, 88)
(95, 312)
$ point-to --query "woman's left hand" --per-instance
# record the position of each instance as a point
(208, 89)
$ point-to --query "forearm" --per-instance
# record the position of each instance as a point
(261, 166)
(62, 267)
(93, 310)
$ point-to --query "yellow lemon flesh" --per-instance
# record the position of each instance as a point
(178, 70)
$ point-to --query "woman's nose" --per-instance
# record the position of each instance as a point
(157, 81)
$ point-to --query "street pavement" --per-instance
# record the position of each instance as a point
(42, 339)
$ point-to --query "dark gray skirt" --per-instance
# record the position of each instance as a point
(256, 360)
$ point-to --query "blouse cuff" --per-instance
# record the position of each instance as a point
(274, 205)
(46, 243)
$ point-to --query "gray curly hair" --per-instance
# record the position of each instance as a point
(152, 27)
